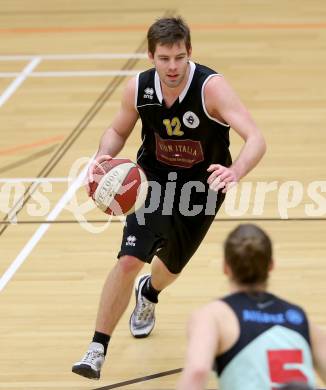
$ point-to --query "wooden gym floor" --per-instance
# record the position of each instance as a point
(62, 69)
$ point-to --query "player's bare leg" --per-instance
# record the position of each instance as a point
(116, 293)
(161, 277)
(114, 300)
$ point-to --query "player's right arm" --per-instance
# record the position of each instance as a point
(212, 330)
(318, 346)
(114, 137)
(203, 338)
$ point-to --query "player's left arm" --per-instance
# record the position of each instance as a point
(202, 347)
(223, 104)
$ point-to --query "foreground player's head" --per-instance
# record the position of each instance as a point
(168, 32)
(248, 255)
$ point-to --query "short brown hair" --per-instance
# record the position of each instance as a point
(248, 252)
(168, 31)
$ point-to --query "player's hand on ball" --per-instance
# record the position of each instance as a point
(221, 178)
(90, 173)
(118, 186)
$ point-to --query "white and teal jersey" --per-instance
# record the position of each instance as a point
(273, 347)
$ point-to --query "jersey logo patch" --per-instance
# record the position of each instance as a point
(294, 316)
(182, 153)
(131, 241)
(264, 305)
(149, 92)
(190, 120)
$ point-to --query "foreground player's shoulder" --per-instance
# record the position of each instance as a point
(214, 310)
(204, 321)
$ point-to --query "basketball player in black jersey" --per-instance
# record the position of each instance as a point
(252, 338)
(186, 110)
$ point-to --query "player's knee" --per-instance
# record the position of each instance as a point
(175, 268)
(130, 265)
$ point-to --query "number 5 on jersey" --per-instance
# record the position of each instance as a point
(284, 366)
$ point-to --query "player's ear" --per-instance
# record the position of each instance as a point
(271, 266)
(150, 56)
(226, 269)
(189, 53)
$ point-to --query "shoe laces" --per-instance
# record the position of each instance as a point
(92, 355)
(144, 310)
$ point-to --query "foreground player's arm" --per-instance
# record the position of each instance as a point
(203, 334)
(115, 136)
(223, 104)
(318, 346)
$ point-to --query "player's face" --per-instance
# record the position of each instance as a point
(171, 63)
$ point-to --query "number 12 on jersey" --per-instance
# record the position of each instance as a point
(173, 126)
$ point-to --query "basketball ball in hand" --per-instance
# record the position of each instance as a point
(119, 186)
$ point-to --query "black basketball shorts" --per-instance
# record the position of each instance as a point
(173, 234)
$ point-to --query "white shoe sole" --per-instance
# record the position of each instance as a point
(86, 371)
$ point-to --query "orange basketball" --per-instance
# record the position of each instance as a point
(119, 186)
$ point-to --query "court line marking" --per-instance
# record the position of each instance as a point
(258, 26)
(36, 59)
(144, 379)
(122, 10)
(32, 242)
(80, 56)
(144, 28)
(113, 220)
(41, 142)
(10, 90)
(140, 379)
(31, 30)
(72, 137)
(35, 180)
(26, 160)
(76, 73)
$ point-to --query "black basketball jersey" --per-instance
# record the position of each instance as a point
(273, 346)
(182, 138)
